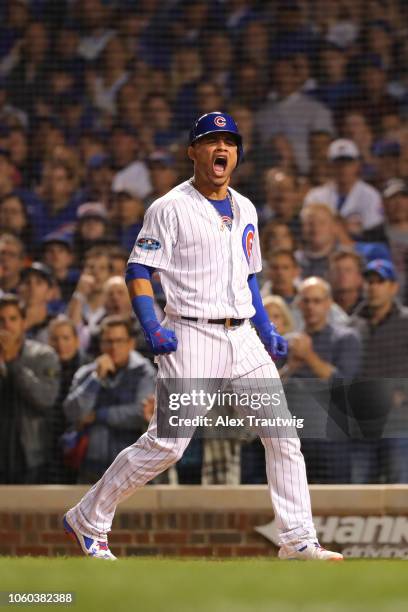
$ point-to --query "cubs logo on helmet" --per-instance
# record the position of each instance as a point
(247, 240)
(220, 121)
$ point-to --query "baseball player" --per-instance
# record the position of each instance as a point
(203, 239)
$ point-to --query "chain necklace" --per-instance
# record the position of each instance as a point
(231, 201)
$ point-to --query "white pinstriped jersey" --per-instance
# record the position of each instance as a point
(203, 266)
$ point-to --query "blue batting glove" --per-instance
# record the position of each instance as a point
(275, 344)
(160, 339)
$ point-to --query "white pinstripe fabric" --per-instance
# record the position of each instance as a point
(212, 352)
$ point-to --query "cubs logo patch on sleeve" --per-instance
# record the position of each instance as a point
(148, 244)
(247, 240)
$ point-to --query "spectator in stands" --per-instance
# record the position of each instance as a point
(279, 314)
(131, 173)
(292, 114)
(346, 279)
(99, 178)
(29, 380)
(18, 148)
(319, 142)
(86, 304)
(127, 213)
(94, 19)
(63, 338)
(59, 191)
(379, 41)
(118, 259)
(250, 85)
(10, 115)
(116, 303)
(129, 106)
(16, 20)
(107, 397)
(29, 75)
(112, 75)
(160, 121)
(257, 159)
(282, 199)
(319, 173)
(163, 175)
(276, 235)
(374, 100)
(218, 57)
(12, 255)
(292, 32)
(49, 133)
(303, 66)
(92, 227)
(380, 413)
(207, 97)
(329, 354)
(395, 198)
(254, 47)
(355, 127)
(65, 53)
(335, 86)
(283, 274)
(319, 235)
(14, 219)
(7, 173)
(349, 196)
(37, 291)
(58, 255)
(387, 156)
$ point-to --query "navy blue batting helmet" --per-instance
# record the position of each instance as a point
(217, 122)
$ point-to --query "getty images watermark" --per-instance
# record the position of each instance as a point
(192, 406)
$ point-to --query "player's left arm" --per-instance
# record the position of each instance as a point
(274, 343)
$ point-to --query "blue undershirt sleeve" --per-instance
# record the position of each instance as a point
(143, 305)
(137, 270)
(260, 318)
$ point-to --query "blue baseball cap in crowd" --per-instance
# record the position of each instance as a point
(58, 238)
(98, 161)
(386, 148)
(384, 268)
(161, 158)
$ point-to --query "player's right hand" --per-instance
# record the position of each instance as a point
(160, 339)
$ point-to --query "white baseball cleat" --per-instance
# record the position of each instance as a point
(308, 550)
(91, 547)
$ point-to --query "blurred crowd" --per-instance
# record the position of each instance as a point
(96, 101)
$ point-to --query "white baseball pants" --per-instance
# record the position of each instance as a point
(207, 351)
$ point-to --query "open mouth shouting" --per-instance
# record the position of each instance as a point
(220, 165)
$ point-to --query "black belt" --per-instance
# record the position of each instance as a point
(227, 322)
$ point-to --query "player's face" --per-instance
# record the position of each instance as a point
(214, 157)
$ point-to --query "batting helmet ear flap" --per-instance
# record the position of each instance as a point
(217, 122)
